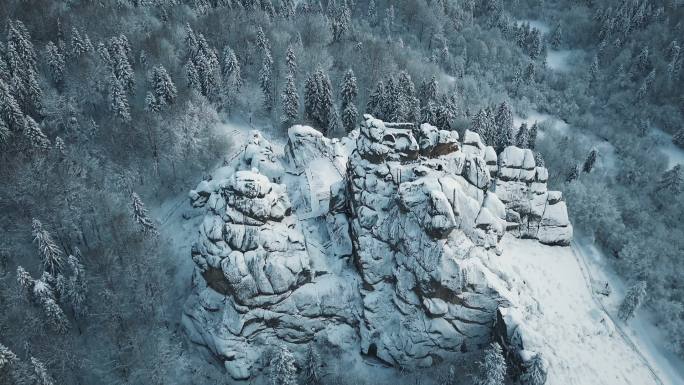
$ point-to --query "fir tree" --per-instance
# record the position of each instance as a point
(25, 280)
(10, 111)
(532, 139)
(22, 67)
(376, 100)
(55, 61)
(312, 364)
(266, 83)
(192, 76)
(590, 161)
(409, 98)
(49, 251)
(334, 124)
(40, 375)
(34, 135)
(372, 12)
(428, 91)
(534, 374)
(290, 101)
(522, 138)
(493, 367)
(163, 87)
(291, 61)
(348, 95)
(4, 132)
(140, 216)
(671, 181)
(504, 126)
(678, 138)
(594, 71)
(7, 360)
(78, 45)
(231, 70)
(633, 299)
(118, 101)
(557, 37)
(282, 367)
(318, 102)
(573, 173)
(479, 123)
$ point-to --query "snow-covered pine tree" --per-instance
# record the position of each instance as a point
(291, 61)
(192, 77)
(678, 138)
(50, 253)
(266, 82)
(590, 161)
(318, 99)
(4, 132)
(557, 37)
(532, 138)
(334, 124)
(10, 111)
(44, 294)
(522, 137)
(25, 280)
(493, 367)
(231, 70)
(22, 66)
(534, 372)
(672, 181)
(312, 366)
(282, 367)
(40, 375)
(376, 100)
(78, 45)
(118, 101)
(408, 91)
(428, 91)
(119, 52)
(76, 285)
(163, 87)
(594, 71)
(141, 217)
(573, 173)
(372, 12)
(633, 299)
(504, 126)
(479, 124)
(55, 61)
(151, 103)
(290, 101)
(348, 95)
(34, 134)
(7, 360)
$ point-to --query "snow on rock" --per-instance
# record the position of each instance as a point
(532, 211)
(378, 242)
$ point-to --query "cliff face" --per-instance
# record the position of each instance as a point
(376, 243)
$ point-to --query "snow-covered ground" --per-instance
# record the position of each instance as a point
(642, 329)
(674, 154)
(582, 345)
(538, 24)
(562, 60)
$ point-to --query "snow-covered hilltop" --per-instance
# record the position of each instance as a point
(377, 244)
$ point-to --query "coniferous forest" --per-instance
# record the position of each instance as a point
(112, 110)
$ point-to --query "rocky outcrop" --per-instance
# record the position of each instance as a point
(377, 243)
(420, 225)
(518, 342)
(531, 210)
(254, 283)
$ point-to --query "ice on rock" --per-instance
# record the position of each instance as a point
(366, 242)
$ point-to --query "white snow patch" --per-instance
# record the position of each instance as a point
(578, 343)
(675, 155)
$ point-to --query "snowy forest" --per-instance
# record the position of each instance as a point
(110, 110)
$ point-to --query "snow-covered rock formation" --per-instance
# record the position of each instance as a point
(377, 243)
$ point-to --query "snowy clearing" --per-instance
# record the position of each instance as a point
(581, 343)
(675, 155)
(642, 329)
